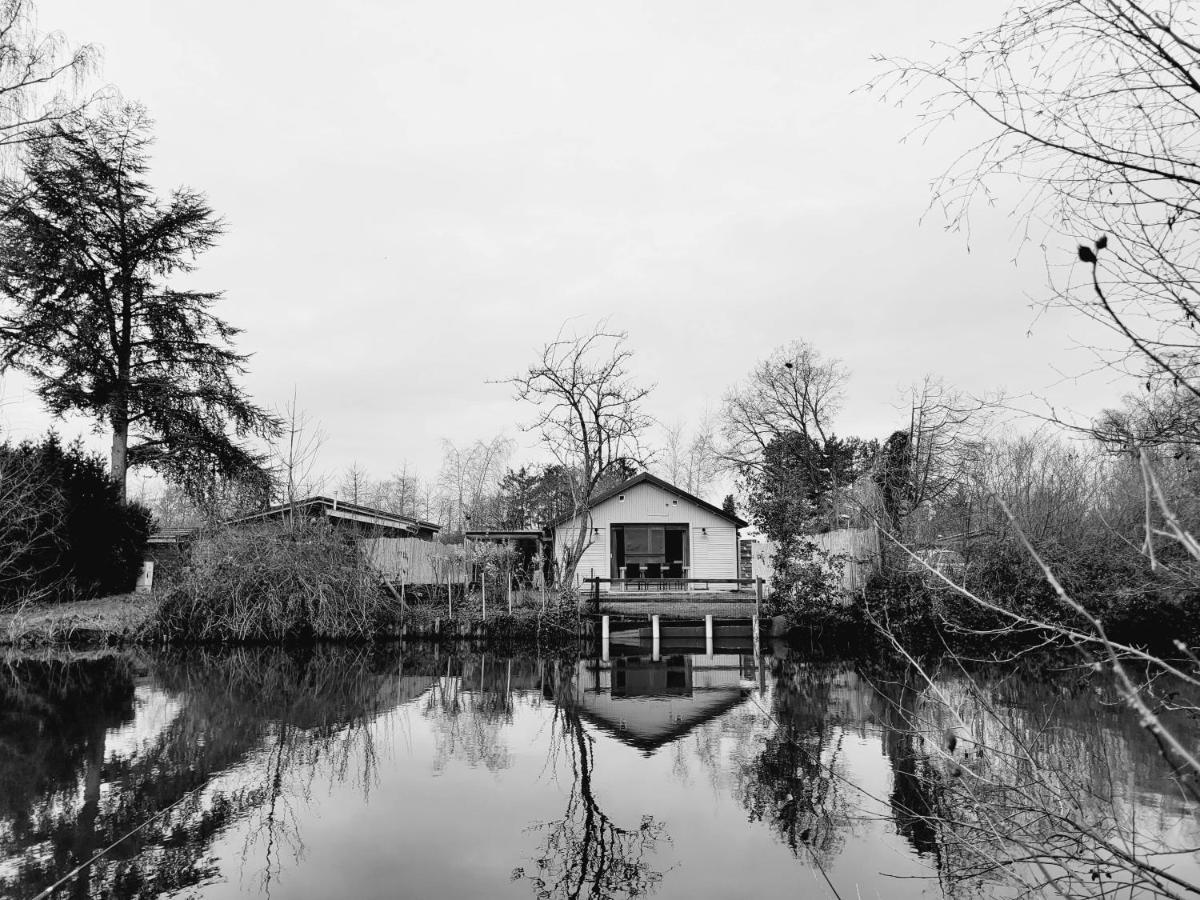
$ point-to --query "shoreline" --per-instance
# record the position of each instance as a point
(103, 621)
(121, 620)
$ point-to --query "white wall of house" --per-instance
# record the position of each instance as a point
(595, 557)
(712, 539)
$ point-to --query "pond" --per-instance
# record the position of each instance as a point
(417, 771)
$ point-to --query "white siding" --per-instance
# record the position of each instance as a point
(595, 557)
(713, 555)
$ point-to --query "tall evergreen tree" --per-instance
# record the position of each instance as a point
(87, 251)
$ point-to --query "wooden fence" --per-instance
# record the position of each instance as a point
(414, 561)
(858, 546)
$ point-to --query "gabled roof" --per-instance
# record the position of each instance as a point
(340, 509)
(706, 706)
(646, 477)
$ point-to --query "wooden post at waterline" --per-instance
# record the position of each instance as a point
(708, 637)
(655, 635)
(604, 638)
(758, 666)
(758, 593)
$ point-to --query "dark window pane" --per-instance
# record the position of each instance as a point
(636, 541)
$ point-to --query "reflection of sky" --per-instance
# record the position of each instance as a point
(462, 833)
(411, 777)
(442, 794)
(153, 711)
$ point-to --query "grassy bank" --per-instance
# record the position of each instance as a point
(108, 620)
(130, 619)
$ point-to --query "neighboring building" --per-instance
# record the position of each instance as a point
(173, 550)
(647, 534)
(364, 520)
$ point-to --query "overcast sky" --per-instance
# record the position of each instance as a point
(419, 194)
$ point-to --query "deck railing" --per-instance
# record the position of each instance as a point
(627, 590)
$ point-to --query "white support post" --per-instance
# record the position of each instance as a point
(655, 639)
(708, 637)
(604, 638)
(758, 666)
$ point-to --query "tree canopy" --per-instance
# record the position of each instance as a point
(87, 254)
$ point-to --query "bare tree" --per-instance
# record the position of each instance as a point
(1092, 108)
(30, 516)
(935, 456)
(795, 390)
(703, 461)
(671, 459)
(40, 74)
(400, 493)
(295, 453)
(356, 484)
(470, 478)
(589, 418)
(690, 460)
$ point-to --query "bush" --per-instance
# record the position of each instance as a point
(275, 582)
(807, 581)
(65, 533)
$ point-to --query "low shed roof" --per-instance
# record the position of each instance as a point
(502, 534)
(340, 509)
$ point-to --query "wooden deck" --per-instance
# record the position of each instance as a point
(690, 604)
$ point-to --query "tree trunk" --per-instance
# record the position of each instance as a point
(87, 840)
(120, 448)
(120, 403)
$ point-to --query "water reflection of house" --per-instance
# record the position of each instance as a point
(647, 703)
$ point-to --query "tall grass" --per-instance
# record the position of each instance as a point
(274, 583)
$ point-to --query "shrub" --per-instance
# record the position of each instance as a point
(275, 582)
(807, 592)
(64, 530)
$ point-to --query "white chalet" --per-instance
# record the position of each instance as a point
(646, 534)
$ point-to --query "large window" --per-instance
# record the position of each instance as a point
(654, 550)
(645, 540)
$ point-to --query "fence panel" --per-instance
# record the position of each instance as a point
(412, 559)
(860, 547)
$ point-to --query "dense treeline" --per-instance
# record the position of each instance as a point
(958, 497)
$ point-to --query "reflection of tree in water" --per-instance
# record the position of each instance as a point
(1048, 787)
(63, 796)
(914, 798)
(785, 782)
(585, 853)
(54, 814)
(470, 705)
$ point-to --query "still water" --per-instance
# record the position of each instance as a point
(409, 771)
